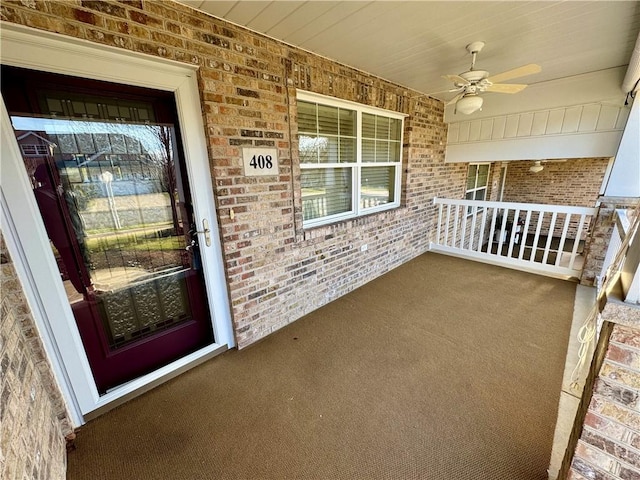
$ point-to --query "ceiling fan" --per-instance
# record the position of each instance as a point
(470, 84)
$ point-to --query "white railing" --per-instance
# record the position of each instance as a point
(545, 239)
(623, 256)
(620, 227)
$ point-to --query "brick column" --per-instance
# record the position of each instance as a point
(609, 444)
(601, 229)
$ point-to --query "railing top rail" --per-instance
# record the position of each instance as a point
(514, 205)
(622, 221)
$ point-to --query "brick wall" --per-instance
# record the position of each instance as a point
(276, 271)
(33, 417)
(609, 446)
(574, 182)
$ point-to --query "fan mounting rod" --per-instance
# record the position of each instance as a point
(473, 48)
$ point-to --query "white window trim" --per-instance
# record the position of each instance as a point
(33, 150)
(24, 231)
(476, 188)
(356, 166)
(470, 211)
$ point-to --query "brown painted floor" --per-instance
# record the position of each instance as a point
(442, 369)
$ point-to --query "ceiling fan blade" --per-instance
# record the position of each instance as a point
(506, 87)
(455, 99)
(457, 79)
(515, 73)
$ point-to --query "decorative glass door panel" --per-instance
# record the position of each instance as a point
(110, 183)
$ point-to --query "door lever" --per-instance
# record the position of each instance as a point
(206, 231)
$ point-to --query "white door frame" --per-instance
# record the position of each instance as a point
(24, 230)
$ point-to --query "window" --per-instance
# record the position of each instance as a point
(34, 150)
(477, 179)
(350, 158)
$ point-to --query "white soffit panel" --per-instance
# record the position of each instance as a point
(585, 145)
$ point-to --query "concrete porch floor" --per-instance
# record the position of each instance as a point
(570, 397)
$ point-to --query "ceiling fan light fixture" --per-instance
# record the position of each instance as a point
(469, 104)
(536, 167)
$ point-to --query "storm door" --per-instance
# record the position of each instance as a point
(110, 182)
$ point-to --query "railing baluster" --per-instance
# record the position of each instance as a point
(482, 227)
(514, 227)
(536, 237)
(446, 230)
(455, 227)
(505, 214)
(465, 219)
(472, 234)
(439, 224)
(525, 233)
(492, 231)
(563, 237)
(576, 242)
(547, 246)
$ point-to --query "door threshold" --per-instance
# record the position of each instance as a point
(133, 388)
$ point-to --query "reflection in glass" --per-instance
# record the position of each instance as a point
(325, 191)
(307, 117)
(368, 125)
(377, 186)
(113, 211)
(483, 174)
(327, 120)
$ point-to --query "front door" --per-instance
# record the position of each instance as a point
(110, 182)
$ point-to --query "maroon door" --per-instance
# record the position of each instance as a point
(111, 186)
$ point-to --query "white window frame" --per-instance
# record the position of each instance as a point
(34, 150)
(470, 210)
(476, 188)
(356, 166)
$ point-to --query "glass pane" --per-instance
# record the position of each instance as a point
(470, 196)
(480, 194)
(471, 177)
(113, 218)
(307, 117)
(394, 152)
(325, 191)
(327, 120)
(395, 128)
(80, 106)
(368, 151)
(382, 128)
(347, 122)
(308, 149)
(368, 125)
(328, 150)
(347, 150)
(377, 186)
(382, 151)
(483, 174)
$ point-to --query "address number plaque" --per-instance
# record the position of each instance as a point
(260, 162)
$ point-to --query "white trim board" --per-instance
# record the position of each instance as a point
(577, 145)
(26, 236)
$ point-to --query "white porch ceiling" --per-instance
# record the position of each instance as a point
(414, 43)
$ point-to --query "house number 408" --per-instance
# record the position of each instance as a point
(261, 161)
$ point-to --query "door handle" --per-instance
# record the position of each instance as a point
(205, 230)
